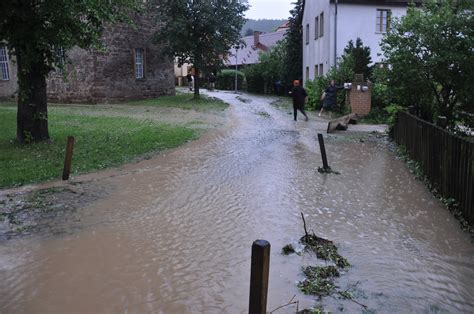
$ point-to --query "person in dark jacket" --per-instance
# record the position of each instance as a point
(212, 81)
(330, 97)
(299, 99)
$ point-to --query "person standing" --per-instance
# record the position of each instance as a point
(299, 99)
(212, 81)
(190, 79)
(329, 97)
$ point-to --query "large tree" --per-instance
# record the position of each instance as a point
(34, 31)
(200, 32)
(293, 68)
(431, 58)
(361, 57)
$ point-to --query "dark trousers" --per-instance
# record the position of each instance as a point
(295, 110)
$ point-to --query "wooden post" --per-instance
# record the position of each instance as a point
(259, 277)
(323, 151)
(68, 158)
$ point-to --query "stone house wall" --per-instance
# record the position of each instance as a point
(108, 75)
(8, 88)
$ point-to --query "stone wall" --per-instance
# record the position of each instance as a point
(108, 75)
(9, 89)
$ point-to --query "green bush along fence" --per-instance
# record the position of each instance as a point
(446, 159)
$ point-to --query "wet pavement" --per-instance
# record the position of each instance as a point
(173, 234)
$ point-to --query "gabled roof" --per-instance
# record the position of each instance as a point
(249, 54)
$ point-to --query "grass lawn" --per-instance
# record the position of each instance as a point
(183, 101)
(101, 141)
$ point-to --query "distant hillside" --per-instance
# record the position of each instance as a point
(264, 25)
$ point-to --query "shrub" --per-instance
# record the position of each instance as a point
(226, 79)
(255, 80)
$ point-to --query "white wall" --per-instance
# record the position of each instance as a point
(360, 21)
(316, 52)
(352, 21)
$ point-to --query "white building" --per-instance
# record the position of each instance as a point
(328, 25)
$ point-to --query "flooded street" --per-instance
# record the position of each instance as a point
(173, 234)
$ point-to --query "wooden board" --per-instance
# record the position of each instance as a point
(342, 122)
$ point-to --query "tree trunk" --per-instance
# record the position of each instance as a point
(196, 83)
(32, 115)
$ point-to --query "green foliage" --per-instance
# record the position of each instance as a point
(343, 73)
(431, 58)
(226, 79)
(39, 28)
(361, 57)
(254, 78)
(200, 32)
(34, 31)
(262, 76)
(315, 88)
(288, 249)
(293, 64)
(392, 111)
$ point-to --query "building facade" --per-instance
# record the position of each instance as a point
(328, 26)
(130, 66)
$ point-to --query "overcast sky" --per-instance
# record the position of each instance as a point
(269, 9)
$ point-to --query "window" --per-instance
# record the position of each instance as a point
(316, 27)
(139, 63)
(307, 73)
(307, 33)
(4, 72)
(321, 72)
(321, 25)
(383, 21)
(316, 71)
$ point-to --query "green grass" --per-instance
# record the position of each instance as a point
(101, 141)
(183, 101)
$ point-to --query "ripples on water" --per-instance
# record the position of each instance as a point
(174, 234)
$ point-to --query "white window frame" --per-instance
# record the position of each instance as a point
(4, 69)
(382, 21)
(139, 63)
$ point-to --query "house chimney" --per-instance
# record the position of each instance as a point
(256, 38)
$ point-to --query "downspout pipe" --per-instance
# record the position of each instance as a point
(335, 34)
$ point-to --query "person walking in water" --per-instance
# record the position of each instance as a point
(299, 99)
(329, 97)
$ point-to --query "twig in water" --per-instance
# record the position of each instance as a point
(291, 302)
(350, 299)
(305, 230)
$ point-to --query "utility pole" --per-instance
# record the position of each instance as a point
(335, 35)
(236, 67)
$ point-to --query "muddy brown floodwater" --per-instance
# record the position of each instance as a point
(173, 234)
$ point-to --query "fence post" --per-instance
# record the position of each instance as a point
(68, 158)
(323, 151)
(259, 277)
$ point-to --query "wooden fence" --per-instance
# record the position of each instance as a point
(447, 160)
